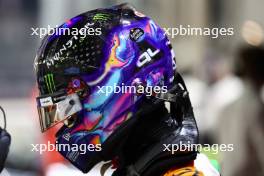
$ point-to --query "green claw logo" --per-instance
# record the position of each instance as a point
(49, 80)
(101, 16)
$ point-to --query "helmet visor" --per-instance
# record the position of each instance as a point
(55, 108)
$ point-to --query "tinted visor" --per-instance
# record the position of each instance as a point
(56, 108)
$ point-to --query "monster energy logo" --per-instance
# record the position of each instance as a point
(49, 80)
(101, 16)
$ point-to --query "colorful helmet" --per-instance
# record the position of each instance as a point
(95, 73)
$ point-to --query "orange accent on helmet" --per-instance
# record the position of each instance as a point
(185, 171)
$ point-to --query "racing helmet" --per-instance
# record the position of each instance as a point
(95, 73)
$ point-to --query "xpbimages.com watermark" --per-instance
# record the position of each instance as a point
(172, 148)
(87, 30)
(79, 148)
(183, 147)
(139, 89)
(188, 30)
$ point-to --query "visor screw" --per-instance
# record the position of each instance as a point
(71, 102)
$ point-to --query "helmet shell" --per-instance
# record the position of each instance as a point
(126, 48)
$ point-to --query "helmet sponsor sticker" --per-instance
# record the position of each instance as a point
(46, 101)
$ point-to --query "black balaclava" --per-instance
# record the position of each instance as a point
(143, 150)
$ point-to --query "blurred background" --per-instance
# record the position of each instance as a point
(224, 75)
